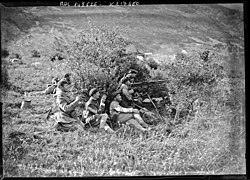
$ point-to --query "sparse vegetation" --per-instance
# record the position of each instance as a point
(35, 53)
(202, 138)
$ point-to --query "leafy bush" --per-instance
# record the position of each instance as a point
(190, 78)
(152, 64)
(98, 59)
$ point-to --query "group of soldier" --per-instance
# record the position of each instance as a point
(121, 111)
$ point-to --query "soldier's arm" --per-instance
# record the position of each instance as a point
(91, 108)
(101, 108)
(62, 103)
(102, 103)
(119, 108)
(131, 91)
(120, 82)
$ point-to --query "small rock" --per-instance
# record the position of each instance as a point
(184, 52)
(15, 60)
(26, 104)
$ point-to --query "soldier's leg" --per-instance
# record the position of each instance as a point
(140, 120)
(65, 127)
(104, 125)
(103, 120)
(135, 123)
(80, 125)
(124, 117)
(54, 107)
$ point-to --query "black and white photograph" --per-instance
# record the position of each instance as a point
(122, 89)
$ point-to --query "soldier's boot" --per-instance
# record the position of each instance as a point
(102, 131)
(140, 120)
(80, 125)
(109, 130)
(136, 124)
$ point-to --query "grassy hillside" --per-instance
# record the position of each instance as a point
(206, 146)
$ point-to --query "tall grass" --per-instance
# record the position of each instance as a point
(195, 147)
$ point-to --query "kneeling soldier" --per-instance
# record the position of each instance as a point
(126, 115)
(66, 118)
(94, 110)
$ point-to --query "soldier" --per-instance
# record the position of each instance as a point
(126, 93)
(126, 90)
(131, 75)
(66, 78)
(55, 81)
(94, 111)
(66, 118)
(50, 89)
(126, 115)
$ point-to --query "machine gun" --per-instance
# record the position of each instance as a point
(148, 82)
(150, 87)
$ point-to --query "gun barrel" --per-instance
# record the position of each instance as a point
(149, 82)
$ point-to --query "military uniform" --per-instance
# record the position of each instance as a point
(66, 118)
(131, 74)
(52, 87)
(126, 115)
(126, 92)
(92, 119)
(120, 114)
(54, 84)
(65, 79)
(94, 112)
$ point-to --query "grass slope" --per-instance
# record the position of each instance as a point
(199, 147)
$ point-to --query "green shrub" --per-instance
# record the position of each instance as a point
(190, 78)
(98, 59)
